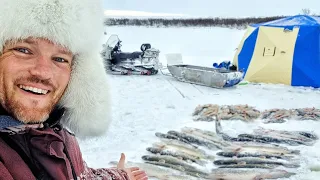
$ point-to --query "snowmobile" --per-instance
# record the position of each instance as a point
(144, 62)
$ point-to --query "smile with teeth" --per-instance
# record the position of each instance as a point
(33, 89)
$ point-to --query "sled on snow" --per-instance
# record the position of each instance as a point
(200, 75)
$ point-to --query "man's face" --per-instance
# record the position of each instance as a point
(34, 74)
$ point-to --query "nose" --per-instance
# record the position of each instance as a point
(42, 68)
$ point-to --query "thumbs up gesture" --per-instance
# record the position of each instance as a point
(134, 173)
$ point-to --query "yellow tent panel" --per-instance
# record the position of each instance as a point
(273, 55)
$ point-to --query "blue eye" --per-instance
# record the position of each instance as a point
(58, 59)
(22, 50)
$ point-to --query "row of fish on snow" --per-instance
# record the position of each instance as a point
(187, 154)
(244, 112)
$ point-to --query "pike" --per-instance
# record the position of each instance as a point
(271, 139)
(176, 146)
(179, 143)
(167, 159)
(298, 138)
(196, 140)
(257, 174)
(179, 155)
(173, 163)
(207, 135)
(159, 172)
(178, 177)
(249, 147)
(299, 135)
(249, 166)
(257, 138)
(192, 172)
(169, 136)
(254, 160)
(253, 154)
(151, 170)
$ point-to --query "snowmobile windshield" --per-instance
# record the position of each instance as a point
(113, 40)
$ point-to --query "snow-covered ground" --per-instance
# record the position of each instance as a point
(143, 105)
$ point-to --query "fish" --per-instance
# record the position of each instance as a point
(196, 140)
(179, 177)
(179, 143)
(171, 163)
(256, 174)
(252, 147)
(276, 174)
(308, 113)
(207, 135)
(176, 146)
(277, 115)
(242, 112)
(272, 139)
(254, 160)
(293, 135)
(299, 135)
(258, 138)
(159, 172)
(177, 154)
(193, 172)
(253, 154)
(167, 159)
(207, 110)
(169, 136)
(153, 171)
(249, 166)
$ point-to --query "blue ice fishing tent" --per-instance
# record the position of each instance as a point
(285, 51)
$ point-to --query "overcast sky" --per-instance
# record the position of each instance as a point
(214, 8)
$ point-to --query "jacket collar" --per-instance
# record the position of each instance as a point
(7, 120)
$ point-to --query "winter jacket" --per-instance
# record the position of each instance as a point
(45, 151)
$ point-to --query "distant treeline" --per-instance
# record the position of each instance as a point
(192, 22)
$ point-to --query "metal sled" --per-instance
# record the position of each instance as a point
(205, 76)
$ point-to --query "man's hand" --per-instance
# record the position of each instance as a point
(134, 173)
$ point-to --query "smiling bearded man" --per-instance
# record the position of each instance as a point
(35, 74)
(53, 87)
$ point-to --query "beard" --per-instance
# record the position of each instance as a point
(25, 114)
(33, 111)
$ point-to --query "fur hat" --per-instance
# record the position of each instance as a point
(78, 26)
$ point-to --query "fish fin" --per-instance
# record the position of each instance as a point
(263, 157)
(162, 161)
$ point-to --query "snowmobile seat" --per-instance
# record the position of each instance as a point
(125, 55)
(118, 57)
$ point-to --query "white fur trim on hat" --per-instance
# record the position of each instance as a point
(78, 26)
